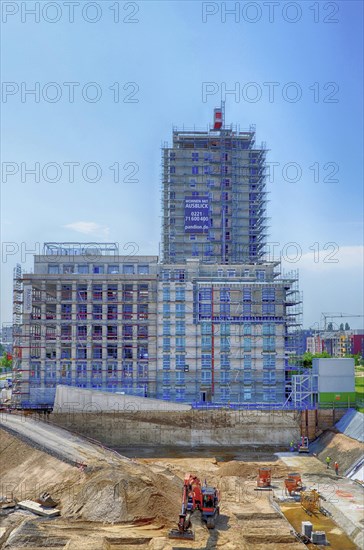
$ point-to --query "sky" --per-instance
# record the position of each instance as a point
(81, 154)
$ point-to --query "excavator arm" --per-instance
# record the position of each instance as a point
(195, 497)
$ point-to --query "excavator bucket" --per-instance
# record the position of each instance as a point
(181, 535)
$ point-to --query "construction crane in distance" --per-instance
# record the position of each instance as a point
(326, 316)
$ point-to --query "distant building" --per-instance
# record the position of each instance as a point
(299, 339)
(357, 343)
(6, 337)
(314, 344)
(337, 343)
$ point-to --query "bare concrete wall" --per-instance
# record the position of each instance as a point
(69, 398)
(186, 428)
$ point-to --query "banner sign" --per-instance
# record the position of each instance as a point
(27, 305)
(197, 218)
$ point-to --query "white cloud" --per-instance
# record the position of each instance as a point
(89, 228)
(332, 257)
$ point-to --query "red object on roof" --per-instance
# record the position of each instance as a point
(217, 119)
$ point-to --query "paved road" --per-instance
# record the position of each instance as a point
(57, 441)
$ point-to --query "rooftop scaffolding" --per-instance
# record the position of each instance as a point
(79, 249)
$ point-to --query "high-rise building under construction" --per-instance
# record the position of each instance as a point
(214, 195)
(209, 323)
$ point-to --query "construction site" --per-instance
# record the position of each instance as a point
(156, 403)
(74, 480)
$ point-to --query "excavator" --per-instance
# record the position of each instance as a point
(196, 497)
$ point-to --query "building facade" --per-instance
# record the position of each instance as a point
(189, 332)
(214, 196)
(210, 323)
(88, 319)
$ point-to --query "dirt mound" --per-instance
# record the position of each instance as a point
(26, 472)
(120, 494)
(339, 447)
(124, 492)
(250, 470)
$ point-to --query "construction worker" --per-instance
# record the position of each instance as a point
(328, 460)
(336, 466)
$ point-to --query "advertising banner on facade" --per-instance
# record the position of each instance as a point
(197, 218)
(27, 304)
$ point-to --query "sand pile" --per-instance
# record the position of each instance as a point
(124, 491)
(123, 494)
(250, 470)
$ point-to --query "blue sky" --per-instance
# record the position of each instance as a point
(162, 60)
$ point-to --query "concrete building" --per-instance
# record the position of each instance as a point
(223, 332)
(211, 323)
(357, 343)
(88, 319)
(314, 344)
(188, 333)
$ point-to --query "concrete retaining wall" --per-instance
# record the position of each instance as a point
(71, 399)
(185, 428)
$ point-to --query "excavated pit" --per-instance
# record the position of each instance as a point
(132, 503)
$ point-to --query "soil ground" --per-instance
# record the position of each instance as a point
(132, 503)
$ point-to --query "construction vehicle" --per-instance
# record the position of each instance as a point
(196, 497)
(303, 446)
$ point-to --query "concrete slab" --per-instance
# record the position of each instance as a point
(38, 509)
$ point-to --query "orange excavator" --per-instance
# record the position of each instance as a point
(196, 497)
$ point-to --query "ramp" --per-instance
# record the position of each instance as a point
(352, 425)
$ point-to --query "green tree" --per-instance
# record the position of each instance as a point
(341, 326)
(357, 358)
(308, 356)
(347, 326)
(330, 327)
(5, 362)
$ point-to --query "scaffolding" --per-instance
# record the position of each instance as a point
(93, 249)
(228, 169)
(94, 331)
(120, 332)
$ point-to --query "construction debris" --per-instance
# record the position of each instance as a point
(7, 502)
(46, 500)
(38, 509)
